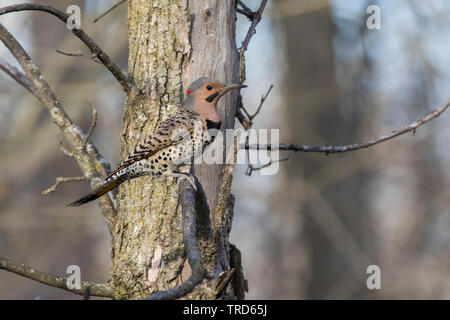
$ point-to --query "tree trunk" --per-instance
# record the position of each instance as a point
(172, 43)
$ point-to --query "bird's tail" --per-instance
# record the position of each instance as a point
(97, 193)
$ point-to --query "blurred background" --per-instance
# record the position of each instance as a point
(308, 232)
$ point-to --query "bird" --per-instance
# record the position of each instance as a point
(175, 142)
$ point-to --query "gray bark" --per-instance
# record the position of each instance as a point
(172, 43)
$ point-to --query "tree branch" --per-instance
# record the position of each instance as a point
(93, 58)
(245, 10)
(99, 290)
(247, 124)
(89, 164)
(263, 99)
(189, 221)
(255, 18)
(252, 30)
(14, 73)
(93, 124)
(351, 147)
(93, 47)
(243, 6)
(66, 152)
(60, 180)
(109, 10)
(252, 168)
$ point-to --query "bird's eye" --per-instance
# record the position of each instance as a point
(209, 87)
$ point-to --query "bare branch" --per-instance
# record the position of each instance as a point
(245, 10)
(14, 73)
(247, 124)
(255, 18)
(252, 30)
(263, 99)
(65, 151)
(90, 166)
(108, 11)
(99, 290)
(95, 49)
(351, 147)
(103, 166)
(252, 168)
(189, 216)
(244, 7)
(60, 180)
(248, 14)
(93, 124)
(93, 58)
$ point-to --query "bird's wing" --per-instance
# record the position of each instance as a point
(167, 133)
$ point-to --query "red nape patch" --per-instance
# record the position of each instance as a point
(188, 92)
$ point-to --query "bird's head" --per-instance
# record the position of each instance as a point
(203, 94)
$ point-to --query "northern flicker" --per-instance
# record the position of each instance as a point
(175, 142)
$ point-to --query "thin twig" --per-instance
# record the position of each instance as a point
(252, 30)
(245, 10)
(60, 180)
(263, 99)
(18, 76)
(108, 11)
(74, 135)
(99, 290)
(255, 18)
(244, 6)
(252, 168)
(189, 221)
(93, 124)
(103, 166)
(248, 14)
(93, 58)
(247, 124)
(355, 146)
(93, 47)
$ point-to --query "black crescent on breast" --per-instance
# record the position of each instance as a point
(213, 125)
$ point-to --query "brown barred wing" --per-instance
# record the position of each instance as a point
(170, 132)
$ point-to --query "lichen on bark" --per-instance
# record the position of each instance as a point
(147, 245)
(147, 209)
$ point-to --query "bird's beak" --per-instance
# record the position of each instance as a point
(224, 90)
(234, 86)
